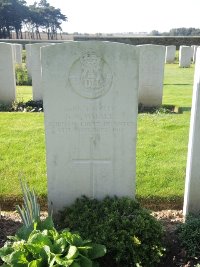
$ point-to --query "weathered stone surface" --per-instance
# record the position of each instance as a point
(192, 185)
(17, 53)
(185, 56)
(7, 74)
(152, 59)
(194, 51)
(28, 58)
(170, 54)
(90, 104)
(35, 67)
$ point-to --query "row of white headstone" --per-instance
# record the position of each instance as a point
(90, 103)
(187, 55)
(90, 92)
(152, 58)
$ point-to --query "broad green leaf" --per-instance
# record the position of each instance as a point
(6, 250)
(85, 262)
(76, 240)
(49, 254)
(95, 264)
(63, 261)
(18, 259)
(75, 264)
(24, 232)
(54, 234)
(36, 263)
(96, 251)
(40, 239)
(46, 224)
(72, 238)
(72, 253)
(51, 261)
(37, 251)
(60, 245)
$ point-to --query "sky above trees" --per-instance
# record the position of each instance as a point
(93, 16)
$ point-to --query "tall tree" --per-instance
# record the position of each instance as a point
(15, 14)
(44, 16)
(12, 15)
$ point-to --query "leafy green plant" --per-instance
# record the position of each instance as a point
(30, 211)
(131, 235)
(189, 236)
(50, 248)
(37, 243)
(5, 107)
(163, 109)
(22, 77)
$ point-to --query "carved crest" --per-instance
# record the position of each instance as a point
(90, 76)
(92, 71)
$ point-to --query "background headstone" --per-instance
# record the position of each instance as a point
(194, 51)
(28, 58)
(90, 104)
(184, 56)
(192, 185)
(17, 53)
(7, 74)
(152, 60)
(35, 66)
(170, 54)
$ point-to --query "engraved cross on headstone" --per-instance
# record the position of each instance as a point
(99, 169)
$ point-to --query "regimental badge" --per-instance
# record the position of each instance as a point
(90, 76)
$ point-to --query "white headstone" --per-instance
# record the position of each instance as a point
(192, 185)
(36, 70)
(90, 104)
(28, 58)
(184, 56)
(17, 49)
(152, 59)
(194, 51)
(170, 54)
(7, 74)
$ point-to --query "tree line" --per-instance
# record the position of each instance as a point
(17, 16)
(178, 32)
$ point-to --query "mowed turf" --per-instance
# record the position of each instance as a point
(161, 144)
(24, 93)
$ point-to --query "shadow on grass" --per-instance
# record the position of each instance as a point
(185, 109)
(154, 203)
(157, 203)
(9, 203)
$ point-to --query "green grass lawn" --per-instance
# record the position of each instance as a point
(161, 144)
(24, 93)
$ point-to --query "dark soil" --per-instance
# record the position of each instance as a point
(175, 256)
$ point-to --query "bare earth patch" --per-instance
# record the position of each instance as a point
(175, 256)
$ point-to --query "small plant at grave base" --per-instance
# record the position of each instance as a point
(163, 109)
(50, 248)
(5, 107)
(131, 235)
(37, 243)
(189, 236)
(30, 211)
(29, 106)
